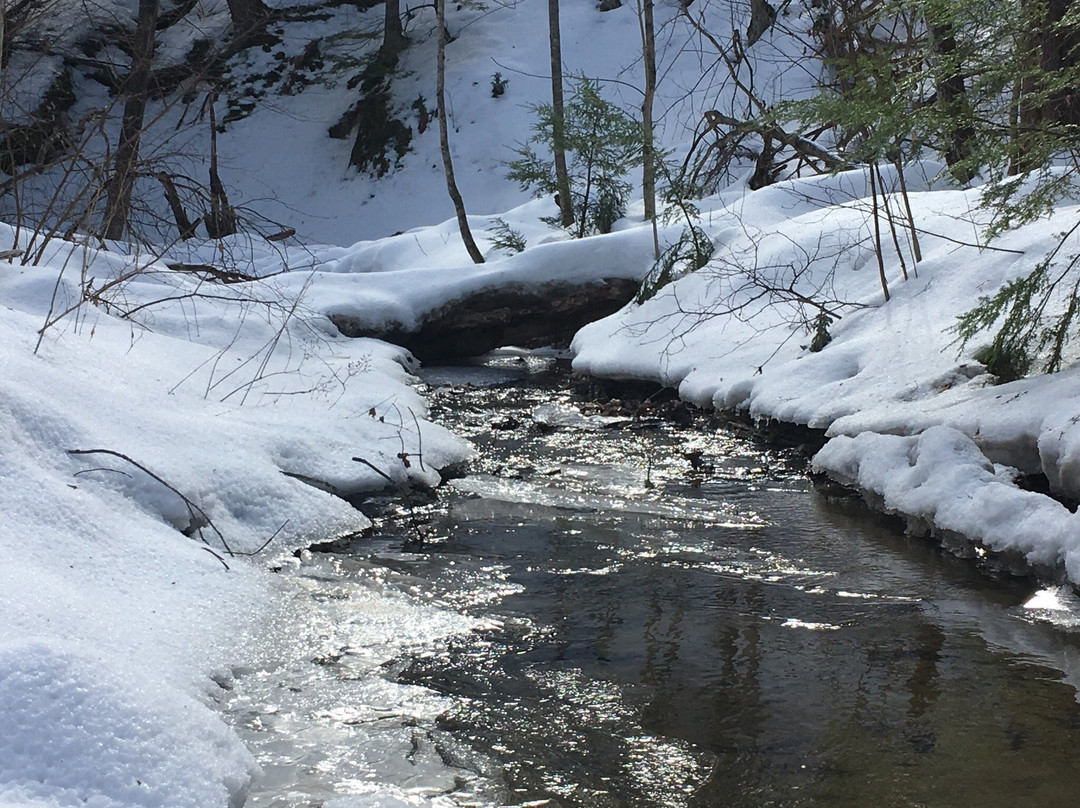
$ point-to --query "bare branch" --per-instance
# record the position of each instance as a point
(805, 147)
(193, 509)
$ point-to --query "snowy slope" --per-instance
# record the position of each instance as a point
(275, 110)
(328, 201)
(890, 369)
(113, 618)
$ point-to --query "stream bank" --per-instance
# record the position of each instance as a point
(839, 482)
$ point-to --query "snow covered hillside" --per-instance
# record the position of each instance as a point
(278, 101)
(227, 420)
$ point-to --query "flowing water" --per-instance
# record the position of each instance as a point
(649, 610)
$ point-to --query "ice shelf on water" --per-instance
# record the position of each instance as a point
(320, 709)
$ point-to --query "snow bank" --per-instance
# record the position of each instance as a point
(73, 731)
(403, 298)
(736, 335)
(223, 413)
(941, 477)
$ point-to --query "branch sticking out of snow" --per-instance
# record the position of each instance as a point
(194, 510)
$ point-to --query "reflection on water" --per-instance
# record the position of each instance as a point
(319, 707)
(661, 615)
(693, 626)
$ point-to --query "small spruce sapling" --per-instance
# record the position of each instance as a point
(821, 336)
(602, 144)
(694, 247)
(504, 237)
(690, 253)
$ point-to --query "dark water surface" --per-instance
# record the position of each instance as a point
(684, 621)
(675, 618)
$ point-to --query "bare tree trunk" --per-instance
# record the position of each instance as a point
(172, 196)
(877, 235)
(916, 249)
(444, 137)
(891, 220)
(562, 176)
(221, 220)
(120, 185)
(249, 19)
(648, 163)
(762, 16)
(393, 34)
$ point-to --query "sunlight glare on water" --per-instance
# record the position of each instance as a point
(322, 717)
(701, 630)
(612, 611)
(1058, 605)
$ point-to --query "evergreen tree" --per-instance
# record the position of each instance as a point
(602, 144)
(993, 86)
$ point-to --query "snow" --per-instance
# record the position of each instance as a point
(942, 477)
(107, 738)
(113, 618)
(233, 412)
(893, 372)
(279, 161)
(403, 297)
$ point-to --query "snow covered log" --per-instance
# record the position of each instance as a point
(489, 318)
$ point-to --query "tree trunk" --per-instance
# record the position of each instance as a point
(648, 162)
(583, 219)
(1060, 53)
(1048, 46)
(120, 185)
(444, 137)
(562, 176)
(221, 220)
(172, 196)
(762, 16)
(1025, 108)
(951, 97)
(393, 34)
(876, 214)
(249, 19)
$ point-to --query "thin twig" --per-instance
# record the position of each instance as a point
(210, 550)
(376, 469)
(100, 468)
(266, 543)
(419, 440)
(193, 509)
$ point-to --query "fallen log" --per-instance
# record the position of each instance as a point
(524, 316)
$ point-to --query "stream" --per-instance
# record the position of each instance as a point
(624, 606)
